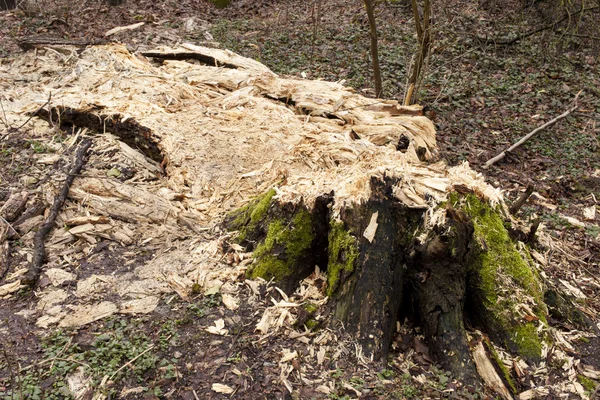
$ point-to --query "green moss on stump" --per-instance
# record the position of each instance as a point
(246, 220)
(504, 278)
(343, 252)
(528, 341)
(285, 244)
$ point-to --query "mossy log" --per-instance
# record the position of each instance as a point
(383, 260)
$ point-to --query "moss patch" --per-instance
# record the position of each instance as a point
(343, 252)
(247, 219)
(311, 308)
(504, 278)
(278, 255)
(588, 384)
(527, 340)
(312, 324)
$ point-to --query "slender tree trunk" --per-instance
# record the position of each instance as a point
(424, 36)
(8, 4)
(374, 51)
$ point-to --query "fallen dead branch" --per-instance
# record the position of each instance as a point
(123, 28)
(525, 138)
(518, 38)
(39, 253)
(31, 43)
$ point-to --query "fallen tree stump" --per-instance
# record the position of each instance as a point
(307, 173)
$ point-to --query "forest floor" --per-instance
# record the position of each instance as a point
(482, 96)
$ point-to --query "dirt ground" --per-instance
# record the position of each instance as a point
(482, 97)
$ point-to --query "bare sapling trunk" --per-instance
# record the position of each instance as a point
(422, 25)
(374, 50)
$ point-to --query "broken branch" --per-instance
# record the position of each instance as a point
(509, 42)
(39, 251)
(530, 134)
(514, 209)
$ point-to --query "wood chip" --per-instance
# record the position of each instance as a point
(371, 229)
(92, 220)
(488, 373)
(10, 288)
(123, 28)
(59, 276)
(230, 302)
(145, 305)
(220, 388)
(85, 314)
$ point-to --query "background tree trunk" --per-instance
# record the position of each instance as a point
(8, 4)
(374, 50)
(424, 36)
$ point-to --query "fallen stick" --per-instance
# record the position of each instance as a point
(529, 135)
(31, 43)
(4, 252)
(39, 251)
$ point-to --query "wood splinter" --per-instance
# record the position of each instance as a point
(39, 251)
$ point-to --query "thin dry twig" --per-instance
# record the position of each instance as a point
(39, 252)
(518, 38)
(4, 119)
(514, 209)
(525, 138)
(130, 362)
(11, 130)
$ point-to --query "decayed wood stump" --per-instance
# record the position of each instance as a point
(309, 173)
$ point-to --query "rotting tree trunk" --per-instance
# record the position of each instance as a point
(438, 275)
(379, 253)
(368, 291)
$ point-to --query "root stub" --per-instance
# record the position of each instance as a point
(384, 261)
